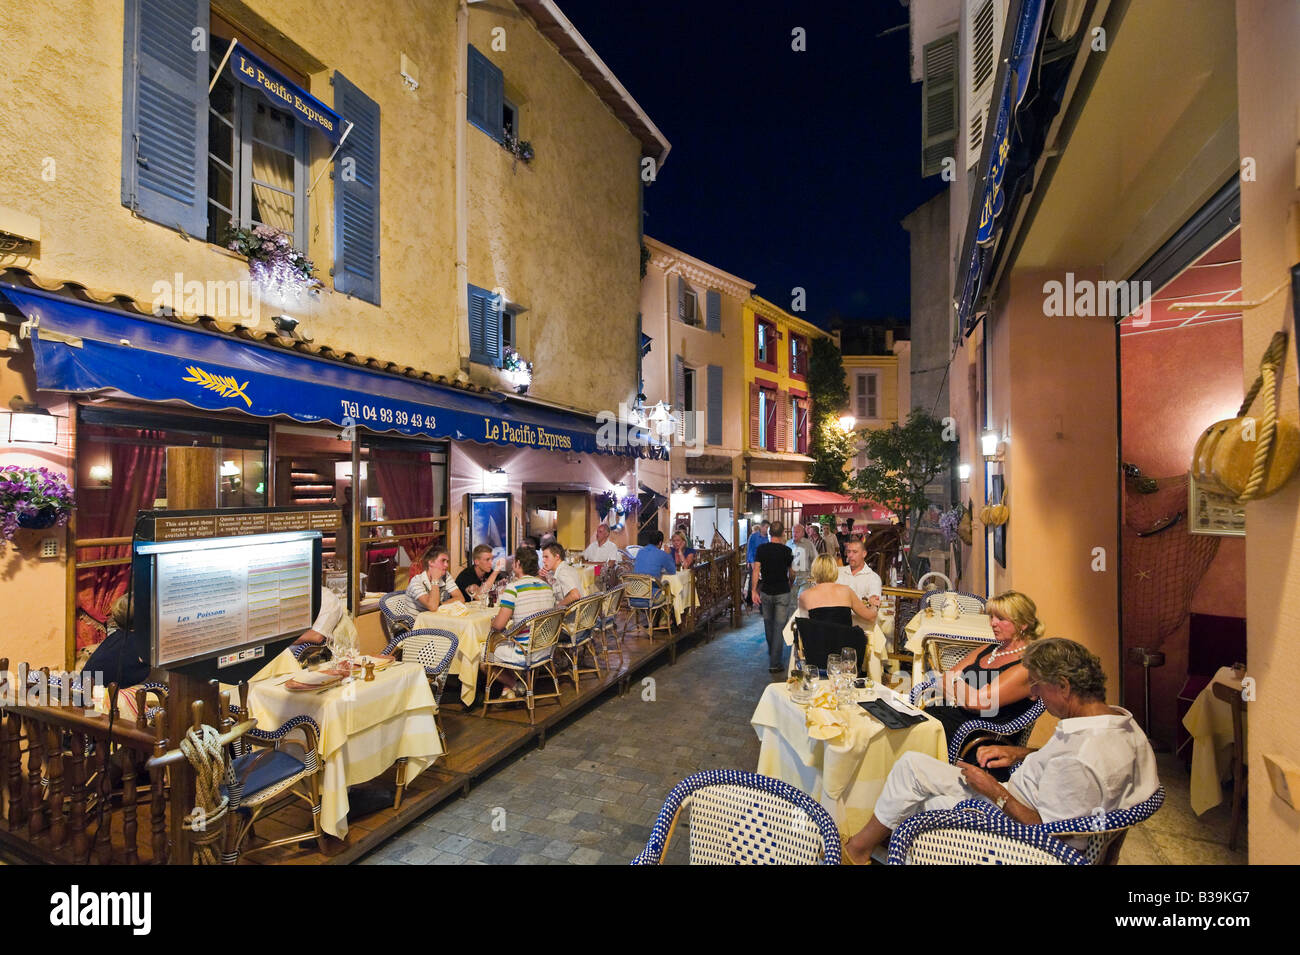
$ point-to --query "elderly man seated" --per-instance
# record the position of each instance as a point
(602, 549)
(1098, 758)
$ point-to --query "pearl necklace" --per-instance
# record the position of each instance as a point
(1003, 652)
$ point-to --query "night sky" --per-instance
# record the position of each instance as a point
(787, 169)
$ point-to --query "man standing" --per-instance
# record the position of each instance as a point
(775, 572)
(565, 580)
(602, 549)
(756, 540)
(804, 554)
(832, 543)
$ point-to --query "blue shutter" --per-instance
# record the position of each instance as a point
(713, 310)
(485, 310)
(165, 114)
(486, 93)
(356, 195)
(714, 402)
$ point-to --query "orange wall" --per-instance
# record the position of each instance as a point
(1053, 375)
(1268, 77)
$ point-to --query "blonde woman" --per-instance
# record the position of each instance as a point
(828, 600)
(991, 682)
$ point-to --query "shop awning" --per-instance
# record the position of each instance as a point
(83, 348)
(819, 501)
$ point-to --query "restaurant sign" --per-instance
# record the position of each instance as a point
(307, 109)
(240, 523)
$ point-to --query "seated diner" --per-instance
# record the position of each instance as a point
(433, 586)
(525, 595)
(564, 577)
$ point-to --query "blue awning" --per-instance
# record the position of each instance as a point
(1005, 144)
(83, 348)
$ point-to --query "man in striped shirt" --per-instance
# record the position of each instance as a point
(526, 595)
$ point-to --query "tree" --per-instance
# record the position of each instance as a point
(904, 462)
(831, 448)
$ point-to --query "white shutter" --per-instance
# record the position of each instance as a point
(982, 45)
(938, 103)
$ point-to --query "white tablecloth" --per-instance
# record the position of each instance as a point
(968, 626)
(845, 774)
(1209, 722)
(682, 587)
(471, 630)
(365, 728)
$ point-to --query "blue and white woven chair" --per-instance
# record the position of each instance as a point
(398, 612)
(1014, 732)
(578, 633)
(740, 818)
(434, 650)
(649, 599)
(543, 631)
(966, 602)
(271, 771)
(978, 833)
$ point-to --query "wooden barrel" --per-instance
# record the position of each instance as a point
(1225, 456)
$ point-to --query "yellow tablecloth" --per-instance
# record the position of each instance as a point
(1209, 723)
(471, 630)
(682, 587)
(877, 644)
(969, 626)
(845, 774)
(589, 583)
(365, 728)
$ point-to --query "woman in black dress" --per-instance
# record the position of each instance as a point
(990, 683)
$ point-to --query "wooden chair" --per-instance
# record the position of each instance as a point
(543, 630)
(1234, 699)
(608, 622)
(647, 597)
(577, 633)
(283, 771)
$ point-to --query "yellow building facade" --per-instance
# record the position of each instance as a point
(415, 208)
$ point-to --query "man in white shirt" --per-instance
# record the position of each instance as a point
(862, 580)
(804, 555)
(565, 580)
(602, 548)
(332, 612)
(1098, 758)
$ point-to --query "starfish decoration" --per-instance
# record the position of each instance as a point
(1144, 575)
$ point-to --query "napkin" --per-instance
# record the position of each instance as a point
(453, 609)
(823, 717)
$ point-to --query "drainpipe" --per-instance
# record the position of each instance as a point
(462, 198)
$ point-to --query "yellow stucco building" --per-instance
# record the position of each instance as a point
(466, 180)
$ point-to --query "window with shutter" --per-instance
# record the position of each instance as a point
(983, 26)
(165, 114)
(688, 427)
(755, 416)
(714, 400)
(679, 394)
(713, 310)
(486, 95)
(356, 195)
(485, 317)
(765, 340)
(861, 395)
(938, 103)
(770, 438)
(690, 305)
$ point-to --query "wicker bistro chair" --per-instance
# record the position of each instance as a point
(607, 624)
(740, 818)
(977, 833)
(966, 602)
(647, 597)
(271, 771)
(434, 650)
(977, 732)
(578, 632)
(941, 652)
(398, 611)
(543, 631)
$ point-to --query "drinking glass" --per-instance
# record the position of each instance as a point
(849, 658)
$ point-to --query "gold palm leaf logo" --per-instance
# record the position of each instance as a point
(224, 385)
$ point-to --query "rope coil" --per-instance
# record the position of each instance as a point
(202, 748)
(1270, 368)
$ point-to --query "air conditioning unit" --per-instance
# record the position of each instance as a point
(982, 44)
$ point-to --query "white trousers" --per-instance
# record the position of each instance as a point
(919, 783)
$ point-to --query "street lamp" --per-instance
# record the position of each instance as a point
(963, 472)
(847, 422)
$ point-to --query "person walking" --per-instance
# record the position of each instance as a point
(772, 591)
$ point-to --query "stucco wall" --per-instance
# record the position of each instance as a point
(559, 235)
(1268, 76)
(931, 318)
(88, 236)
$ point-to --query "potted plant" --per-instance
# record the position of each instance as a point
(519, 371)
(274, 263)
(32, 498)
(606, 501)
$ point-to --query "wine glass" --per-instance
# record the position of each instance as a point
(849, 659)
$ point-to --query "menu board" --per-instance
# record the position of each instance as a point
(212, 599)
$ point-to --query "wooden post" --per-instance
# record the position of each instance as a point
(193, 475)
(737, 551)
(354, 571)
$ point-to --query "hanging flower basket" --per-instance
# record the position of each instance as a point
(519, 371)
(33, 498)
(605, 502)
(278, 268)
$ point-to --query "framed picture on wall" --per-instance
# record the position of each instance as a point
(999, 532)
(1213, 514)
(489, 522)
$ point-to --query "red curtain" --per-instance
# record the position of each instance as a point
(405, 480)
(136, 474)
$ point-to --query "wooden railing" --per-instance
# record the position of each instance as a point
(71, 793)
(714, 578)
